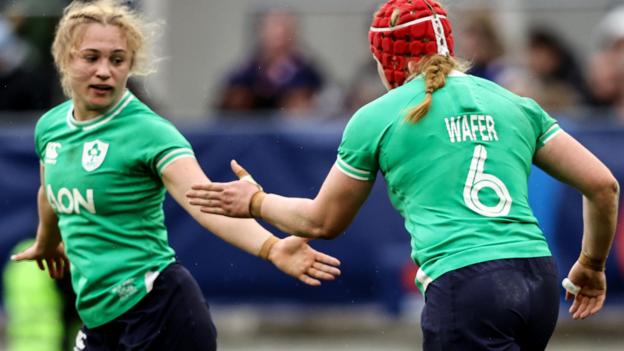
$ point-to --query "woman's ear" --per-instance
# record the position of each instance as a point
(412, 67)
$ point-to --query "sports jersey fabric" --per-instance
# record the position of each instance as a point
(103, 179)
(459, 175)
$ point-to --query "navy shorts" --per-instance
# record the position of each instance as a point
(509, 304)
(173, 316)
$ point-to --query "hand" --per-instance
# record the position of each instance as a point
(229, 199)
(593, 292)
(293, 256)
(54, 257)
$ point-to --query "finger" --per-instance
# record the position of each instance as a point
(49, 267)
(20, 257)
(568, 295)
(206, 203)
(238, 169)
(590, 307)
(575, 305)
(318, 274)
(309, 280)
(327, 269)
(202, 194)
(40, 264)
(213, 210)
(212, 186)
(599, 303)
(581, 306)
(323, 258)
(66, 263)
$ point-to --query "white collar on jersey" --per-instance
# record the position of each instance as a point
(101, 119)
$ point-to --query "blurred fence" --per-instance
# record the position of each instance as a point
(293, 160)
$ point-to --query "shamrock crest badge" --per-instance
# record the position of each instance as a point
(93, 154)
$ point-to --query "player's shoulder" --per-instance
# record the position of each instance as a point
(56, 113)
(502, 92)
(388, 107)
(54, 118)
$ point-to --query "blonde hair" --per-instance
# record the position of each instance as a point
(138, 33)
(435, 68)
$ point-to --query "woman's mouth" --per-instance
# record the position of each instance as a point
(101, 88)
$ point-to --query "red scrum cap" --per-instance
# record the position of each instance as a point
(407, 30)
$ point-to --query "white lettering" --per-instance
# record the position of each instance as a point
(453, 128)
(65, 193)
(466, 129)
(70, 201)
(473, 128)
(51, 198)
(482, 128)
(88, 204)
(489, 121)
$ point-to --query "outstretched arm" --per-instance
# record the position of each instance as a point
(325, 216)
(291, 255)
(567, 160)
(48, 246)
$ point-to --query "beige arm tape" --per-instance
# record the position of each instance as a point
(267, 245)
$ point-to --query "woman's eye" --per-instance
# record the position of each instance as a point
(90, 58)
(118, 60)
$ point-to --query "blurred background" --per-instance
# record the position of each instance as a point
(272, 84)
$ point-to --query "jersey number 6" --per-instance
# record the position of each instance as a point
(478, 180)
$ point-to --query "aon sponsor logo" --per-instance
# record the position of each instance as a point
(71, 200)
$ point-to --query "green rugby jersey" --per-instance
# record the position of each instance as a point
(103, 180)
(458, 176)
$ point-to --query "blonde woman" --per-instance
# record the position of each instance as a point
(106, 162)
(455, 152)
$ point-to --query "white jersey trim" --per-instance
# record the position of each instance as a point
(551, 136)
(171, 153)
(99, 120)
(423, 278)
(347, 169)
(169, 162)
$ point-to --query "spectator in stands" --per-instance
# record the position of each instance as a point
(482, 47)
(455, 151)
(100, 207)
(16, 78)
(605, 76)
(558, 76)
(278, 75)
(605, 68)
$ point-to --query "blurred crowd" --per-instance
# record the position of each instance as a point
(280, 77)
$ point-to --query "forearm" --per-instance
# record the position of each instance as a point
(48, 233)
(245, 234)
(296, 216)
(600, 220)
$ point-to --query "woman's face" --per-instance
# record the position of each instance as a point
(98, 69)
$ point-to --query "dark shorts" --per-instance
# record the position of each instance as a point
(509, 304)
(173, 316)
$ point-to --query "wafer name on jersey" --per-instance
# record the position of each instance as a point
(471, 128)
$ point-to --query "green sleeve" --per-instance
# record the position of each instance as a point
(545, 126)
(165, 144)
(358, 153)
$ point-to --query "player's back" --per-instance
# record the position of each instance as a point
(459, 175)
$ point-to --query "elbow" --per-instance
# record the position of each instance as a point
(607, 190)
(324, 232)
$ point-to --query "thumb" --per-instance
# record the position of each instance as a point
(238, 169)
(20, 256)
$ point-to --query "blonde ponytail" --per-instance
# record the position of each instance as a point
(435, 69)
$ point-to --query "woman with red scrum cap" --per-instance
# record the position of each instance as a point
(455, 152)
